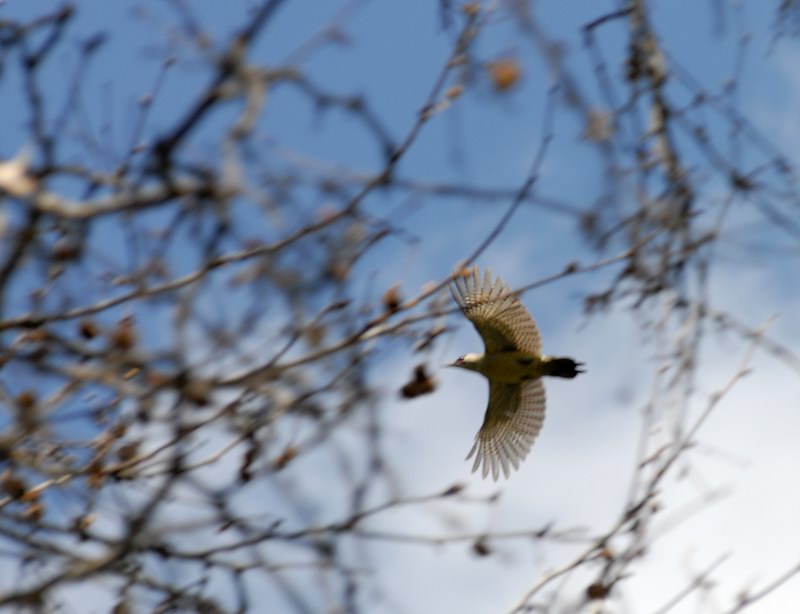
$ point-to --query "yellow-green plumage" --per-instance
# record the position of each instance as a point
(513, 364)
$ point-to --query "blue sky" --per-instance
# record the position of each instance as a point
(579, 472)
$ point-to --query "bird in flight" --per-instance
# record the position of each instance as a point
(514, 365)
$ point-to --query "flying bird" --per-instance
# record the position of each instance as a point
(514, 365)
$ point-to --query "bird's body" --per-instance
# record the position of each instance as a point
(513, 364)
(511, 367)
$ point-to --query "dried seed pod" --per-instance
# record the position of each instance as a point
(391, 299)
(123, 337)
(504, 73)
(421, 384)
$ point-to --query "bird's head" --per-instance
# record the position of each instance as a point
(467, 361)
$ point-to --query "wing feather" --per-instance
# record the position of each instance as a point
(497, 313)
(513, 419)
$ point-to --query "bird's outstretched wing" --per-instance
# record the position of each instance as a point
(497, 313)
(513, 419)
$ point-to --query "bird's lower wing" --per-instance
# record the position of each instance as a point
(513, 419)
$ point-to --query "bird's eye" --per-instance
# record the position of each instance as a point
(460, 360)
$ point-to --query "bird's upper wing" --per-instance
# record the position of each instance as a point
(513, 419)
(497, 313)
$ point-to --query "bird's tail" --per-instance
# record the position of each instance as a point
(562, 367)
